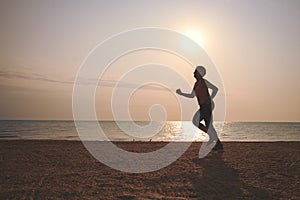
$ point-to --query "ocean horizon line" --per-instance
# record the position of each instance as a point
(68, 120)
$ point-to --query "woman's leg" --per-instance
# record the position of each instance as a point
(198, 117)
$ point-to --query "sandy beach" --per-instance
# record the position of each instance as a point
(48, 169)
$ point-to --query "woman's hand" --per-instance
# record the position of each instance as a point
(178, 91)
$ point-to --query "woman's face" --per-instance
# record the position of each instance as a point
(197, 74)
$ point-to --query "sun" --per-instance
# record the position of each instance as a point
(197, 36)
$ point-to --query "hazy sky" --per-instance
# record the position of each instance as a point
(254, 44)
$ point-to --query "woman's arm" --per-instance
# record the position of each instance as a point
(212, 87)
(188, 95)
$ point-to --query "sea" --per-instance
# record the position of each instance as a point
(166, 131)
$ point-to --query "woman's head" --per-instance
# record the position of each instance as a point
(200, 71)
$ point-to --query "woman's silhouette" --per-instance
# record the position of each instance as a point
(206, 104)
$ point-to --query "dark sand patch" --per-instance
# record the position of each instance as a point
(65, 170)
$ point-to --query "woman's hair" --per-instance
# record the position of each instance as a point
(201, 70)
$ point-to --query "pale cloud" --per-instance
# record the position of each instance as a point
(7, 74)
(25, 73)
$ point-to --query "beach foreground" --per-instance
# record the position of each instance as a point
(48, 169)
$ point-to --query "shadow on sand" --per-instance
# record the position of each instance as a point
(220, 181)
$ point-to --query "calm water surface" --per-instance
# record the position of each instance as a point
(171, 130)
